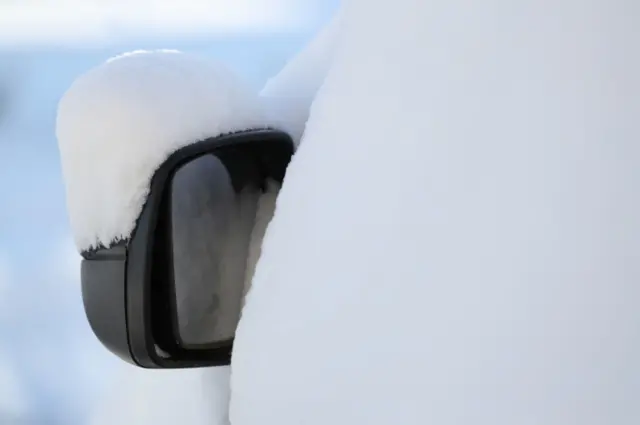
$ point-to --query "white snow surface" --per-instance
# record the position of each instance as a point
(118, 122)
(290, 93)
(457, 239)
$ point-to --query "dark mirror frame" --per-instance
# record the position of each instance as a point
(128, 289)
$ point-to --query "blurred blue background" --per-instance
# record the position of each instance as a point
(52, 370)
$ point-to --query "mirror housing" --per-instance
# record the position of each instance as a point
(128, 289)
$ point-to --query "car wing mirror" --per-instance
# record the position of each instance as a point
(170, 295)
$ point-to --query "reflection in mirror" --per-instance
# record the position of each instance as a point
(211, 229)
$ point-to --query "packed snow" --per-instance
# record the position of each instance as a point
(289, 94)
(457, 238)
(117, 123)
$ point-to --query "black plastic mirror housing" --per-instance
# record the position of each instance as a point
(127, 288)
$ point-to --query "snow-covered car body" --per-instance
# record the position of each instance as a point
(456, 239)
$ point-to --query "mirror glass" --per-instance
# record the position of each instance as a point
(211, 224)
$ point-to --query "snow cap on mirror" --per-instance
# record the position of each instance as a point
(118, 122)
